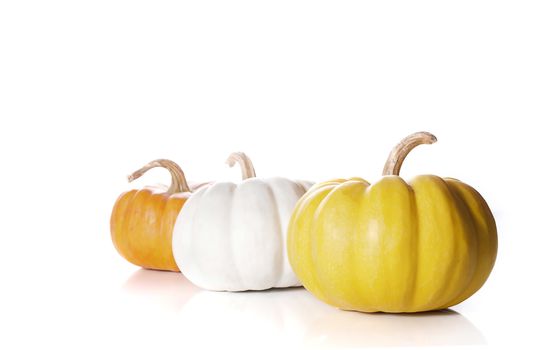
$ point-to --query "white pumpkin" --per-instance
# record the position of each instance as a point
(232, 237)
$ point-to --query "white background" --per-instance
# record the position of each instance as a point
(92, 90)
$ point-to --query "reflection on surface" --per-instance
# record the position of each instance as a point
(348, 328)
(272, 318)
(294, 317)
(170, 290)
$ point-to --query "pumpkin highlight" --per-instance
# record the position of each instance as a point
(232, 237)
(142, 220)
(393, 246)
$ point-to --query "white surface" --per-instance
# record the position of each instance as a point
(232, 236)
(90, 91)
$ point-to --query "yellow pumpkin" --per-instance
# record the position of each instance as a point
(142, 220)
(393, 246)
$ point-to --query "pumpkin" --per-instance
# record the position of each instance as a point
(232, 237)
(393, 246)
(142, 220)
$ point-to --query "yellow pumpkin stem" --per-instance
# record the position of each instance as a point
(178, 181)
(399, 152)
(244, 162)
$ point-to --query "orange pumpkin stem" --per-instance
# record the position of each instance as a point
(244, 162)
(178, 180)
(399, 152)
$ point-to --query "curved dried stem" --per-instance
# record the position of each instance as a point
(178, 180)
(399, 152)
(244, 162)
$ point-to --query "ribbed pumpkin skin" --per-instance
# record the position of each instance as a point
(392, 246)
(232, 237)
(142, 225)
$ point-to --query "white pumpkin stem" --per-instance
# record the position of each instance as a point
(178, 180)
(244, 162)
(399, 152)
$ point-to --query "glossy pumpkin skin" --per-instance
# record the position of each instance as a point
(142, 224)
(392, 246)
(142, 220)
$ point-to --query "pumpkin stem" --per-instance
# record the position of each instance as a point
(244, 162)
(178, 181)
(399, 152)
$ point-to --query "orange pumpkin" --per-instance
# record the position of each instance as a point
(142, 220)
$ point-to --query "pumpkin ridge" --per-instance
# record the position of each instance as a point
(386, 204)
(309, 197)
(475, 237)
(465, 246)
(359, 225)
(295, 190)
(233, 208)
(412, 232)
(280, 270)
(173, 208)
(337, 190)
(137, 225)
(156, 203)
(231, 255)
(429, 185)
(483, 226)
(473, 243)
(334, 182)
(313, 234)
(185, 237)
(181, 242)
(416, 254)
(161, 260)
(118, 222)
